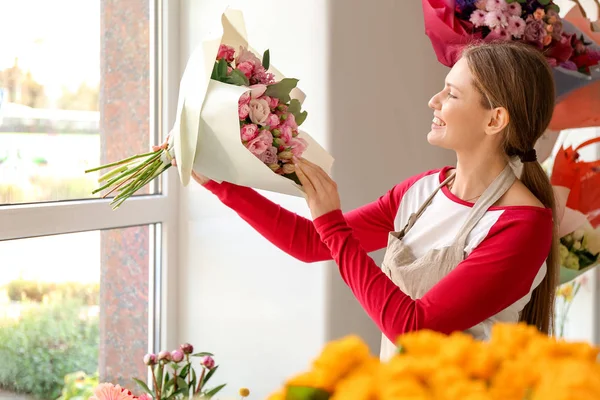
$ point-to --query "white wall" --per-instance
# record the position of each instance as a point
(368, 73)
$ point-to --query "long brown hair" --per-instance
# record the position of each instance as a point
(517, 77)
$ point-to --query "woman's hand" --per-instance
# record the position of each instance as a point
(321, 191)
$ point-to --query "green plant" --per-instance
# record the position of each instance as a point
(79, 386)
(21, 289)
(47, 343)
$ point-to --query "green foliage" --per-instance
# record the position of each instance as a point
(21, 289)
(49, 342)
(79, 386)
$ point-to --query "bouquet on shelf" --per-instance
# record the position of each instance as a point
(173, 378)
(517, 363)
(579, 251)
(237, 120)
(453, 24)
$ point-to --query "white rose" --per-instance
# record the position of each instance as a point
(259, 111)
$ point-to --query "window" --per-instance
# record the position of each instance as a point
(85, 83)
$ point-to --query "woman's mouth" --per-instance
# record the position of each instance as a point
(438, 122)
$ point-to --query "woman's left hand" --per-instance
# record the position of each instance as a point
(321, 191)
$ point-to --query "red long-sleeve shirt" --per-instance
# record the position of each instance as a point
(506, 251)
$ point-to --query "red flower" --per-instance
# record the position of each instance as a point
(560, 50)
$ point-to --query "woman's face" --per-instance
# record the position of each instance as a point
(460, 120)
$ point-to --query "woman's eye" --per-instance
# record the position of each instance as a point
(451, 96)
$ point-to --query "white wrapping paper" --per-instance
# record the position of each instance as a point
(206, 133)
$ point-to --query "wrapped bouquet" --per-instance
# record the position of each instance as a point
(237, 120)
(517, 363)
(453, 24)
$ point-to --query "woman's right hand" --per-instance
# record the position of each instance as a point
(201, 179)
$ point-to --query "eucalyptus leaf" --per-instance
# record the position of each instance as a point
(238, 78)
(282, 89)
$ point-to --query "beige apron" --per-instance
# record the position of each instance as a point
(416, 276)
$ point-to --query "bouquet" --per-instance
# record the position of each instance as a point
(173, 378)
(579, 251)
(453, 24)
(517, 363)
(237, 120)
(565, 294)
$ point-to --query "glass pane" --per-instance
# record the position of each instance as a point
(73, 304)
(73, 95)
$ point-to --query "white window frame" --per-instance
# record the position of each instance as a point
(21, 221)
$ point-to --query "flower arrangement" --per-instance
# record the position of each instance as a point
(517, 363)
(173, 378)
(579, 250)
(565, 294)
(535, 22)
(269, 118)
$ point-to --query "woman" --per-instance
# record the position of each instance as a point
(466, 246)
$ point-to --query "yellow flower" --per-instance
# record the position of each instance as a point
(244, 392)
(421, 343)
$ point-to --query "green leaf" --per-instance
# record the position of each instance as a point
(184, 371)
(306, 393)
(181, 383)
(215, 390)
(401, 350)
(209, 374)
(177, 393)
(553, 7)
(193, 382)
(544, 2)
(203, 354)
(282, 89)
(144, 387)
(295, 108)
(266, 61)
(222, 68)
(237, 78)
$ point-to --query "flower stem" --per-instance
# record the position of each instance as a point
(200, 380)
(124, 161)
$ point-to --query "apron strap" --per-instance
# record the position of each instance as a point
(492, 194)
(415, 216)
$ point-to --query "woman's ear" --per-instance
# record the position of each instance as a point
(499, 119)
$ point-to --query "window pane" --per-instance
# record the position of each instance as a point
(73, 302)
(74, 94)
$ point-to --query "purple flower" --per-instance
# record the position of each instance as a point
(150, 359)
(269, 156)
(208, 362)
(535, 31)
(177, 356)
(187, 348)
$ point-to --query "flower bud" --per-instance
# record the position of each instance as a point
(286, 155)
(283, 117)
(164, 355)
(208, 362)
(274, 167)
(294, 133)
(187, 348)
(276, 133)
(289, 168)
(177, 356)
(150, 359)
(278, 142)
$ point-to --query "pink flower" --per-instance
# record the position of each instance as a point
(514, 9)
(260, 75)
(274, 102)
(246, 68)
(249, 132)
(291, 122)
(286, 133)
(208, 362)
(245, 55)
(535, 31)
(144, 396)
(499, 34)
(496, 5)
(269, 156)
(150, 359)
(177, 356)
(226, 52)
(478, 18)
(298, 146)
(244, 98)
(261, 143)
(229, 70)
(108, 391)
(243, 111)
(187, 348)
(516, 26)
(164, 355)
(273, 120)
(496, 19)
(259, 111)
(257, 90)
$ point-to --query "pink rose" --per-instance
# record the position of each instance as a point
(286, 133)
(261, 143)
(291, 122)
(274, 102)
(269, 156)
(245, 55)
(245, 98)
(257, 90)
(225, 52)
(243, 111)
(298, 146)
(249, 132)
(246, 68)
(273, 120)
(259, 111)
